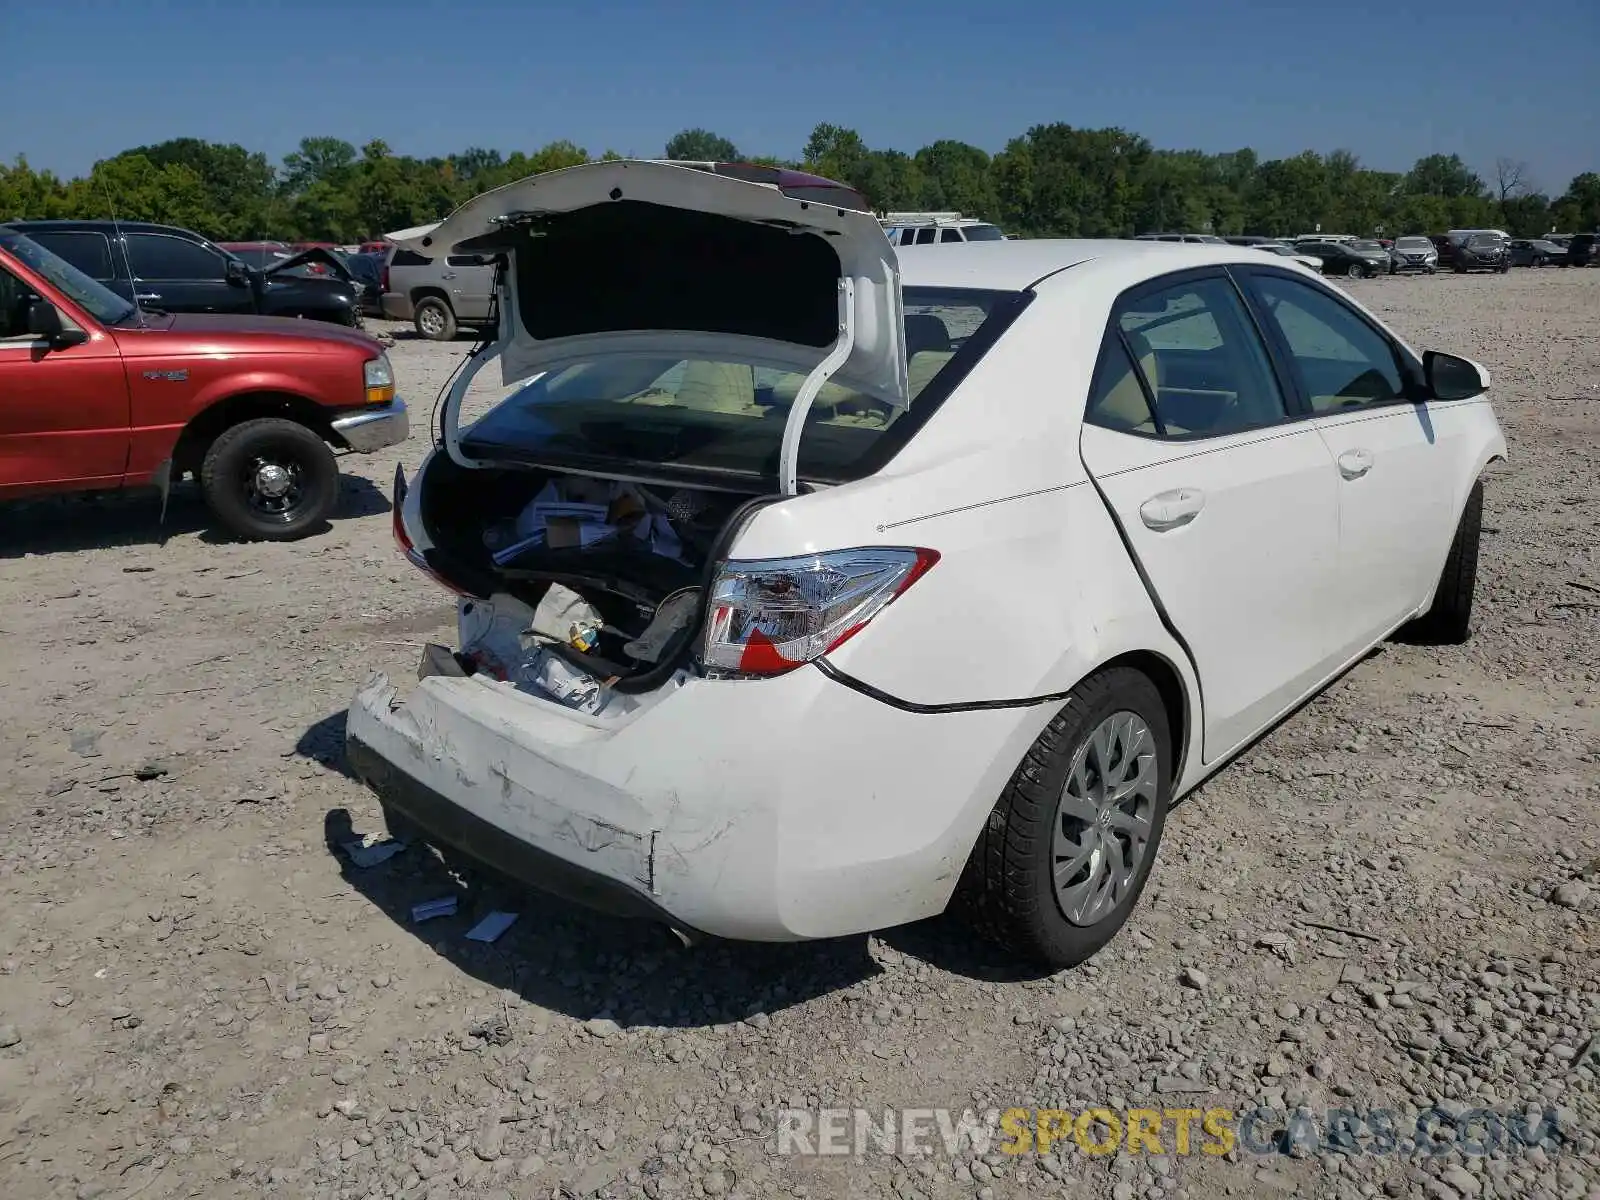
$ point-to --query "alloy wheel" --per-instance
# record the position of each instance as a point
(1104, 818)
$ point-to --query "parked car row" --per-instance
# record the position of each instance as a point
(162, 268)
(1459, 251)
(108, 384)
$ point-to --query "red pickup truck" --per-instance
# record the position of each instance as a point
(96, 393)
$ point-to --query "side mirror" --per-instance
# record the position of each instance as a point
(1451, 377)
(236, 273)
(44, 321)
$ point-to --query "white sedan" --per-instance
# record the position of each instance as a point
(807, 588)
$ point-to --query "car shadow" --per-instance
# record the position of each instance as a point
(77, 521)
(587, 965)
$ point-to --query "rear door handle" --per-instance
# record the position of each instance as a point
(1353, 464)
(147, 295)
(1172, 510)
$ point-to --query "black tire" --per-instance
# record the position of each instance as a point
(1007, 890)
(1358, 271)
(434, 319)
(1448, 622)
(230, 480)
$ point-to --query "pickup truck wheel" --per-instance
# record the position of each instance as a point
(270, 480)
(434, 320)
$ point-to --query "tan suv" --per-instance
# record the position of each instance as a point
(437, 296)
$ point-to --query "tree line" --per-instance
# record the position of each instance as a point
(1053, 181)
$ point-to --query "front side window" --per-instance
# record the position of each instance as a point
(15, 299)
(984, 233)
(726, 416)
(1341, 361)
(158, 256)
(1185, 362)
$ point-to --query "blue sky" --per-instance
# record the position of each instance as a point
(1391, 81)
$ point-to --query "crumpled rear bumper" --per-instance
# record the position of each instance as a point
(767, 810)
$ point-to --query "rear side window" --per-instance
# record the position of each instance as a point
(723, 416)
(408, 258)
(89, 252)
(1184, 362)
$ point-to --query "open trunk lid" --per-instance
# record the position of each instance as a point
(654, 260)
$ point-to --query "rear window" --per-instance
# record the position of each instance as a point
(89, 252)
(698, 415)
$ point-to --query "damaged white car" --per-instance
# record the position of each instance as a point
(808, 589)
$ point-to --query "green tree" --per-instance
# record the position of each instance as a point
(239, 183)
(701, 145)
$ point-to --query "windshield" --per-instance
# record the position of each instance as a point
(727, 416)
(1368, 245)
(1413, 243)
(98, 301)
(984, 233)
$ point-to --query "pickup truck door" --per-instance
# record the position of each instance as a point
(63, 412)
(183, 276)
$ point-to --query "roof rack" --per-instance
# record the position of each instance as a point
(921, 218)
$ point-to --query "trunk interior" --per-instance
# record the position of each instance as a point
(576, 570)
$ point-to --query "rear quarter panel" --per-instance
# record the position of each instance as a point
(1033, 589)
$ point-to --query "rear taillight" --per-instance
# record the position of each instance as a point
(768, 616)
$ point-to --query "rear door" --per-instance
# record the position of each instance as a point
(1396, 458)
(470, 279)
(1228, 506)
(183, 276)
(63, 412)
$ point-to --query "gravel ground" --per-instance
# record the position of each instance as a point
(1393, 900)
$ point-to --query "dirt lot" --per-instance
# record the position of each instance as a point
(1393, 901)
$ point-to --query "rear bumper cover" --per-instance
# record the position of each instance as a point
(764, 810)
(372, 429)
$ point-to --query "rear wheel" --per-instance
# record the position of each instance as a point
(1068, 848)
(434, 319)
(1448, 622)
(270, 479)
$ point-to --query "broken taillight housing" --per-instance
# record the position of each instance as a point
(768, 616)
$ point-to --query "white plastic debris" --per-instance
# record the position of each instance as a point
(491, 927)
(370, 850)
(445, 906)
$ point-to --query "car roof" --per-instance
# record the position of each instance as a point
(71, 224)
(1019, 265)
